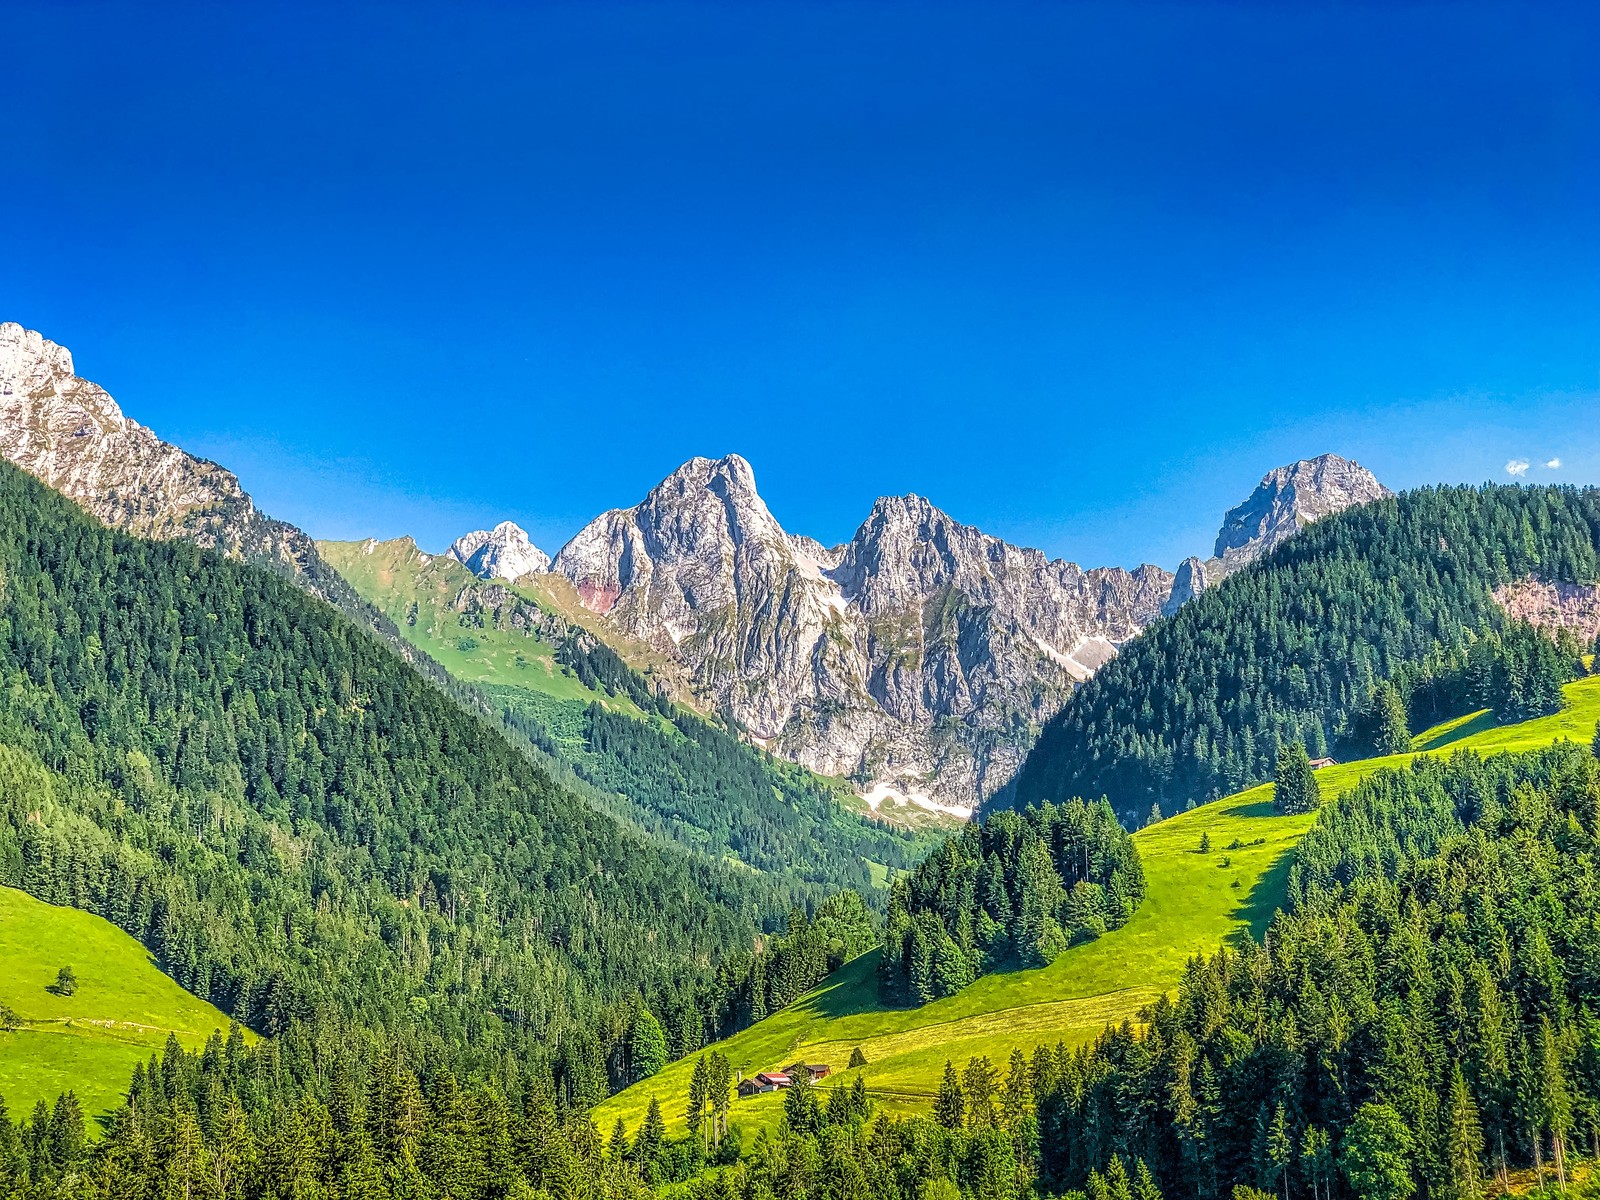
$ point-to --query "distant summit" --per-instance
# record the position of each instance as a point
(1290, 498)
(503, 552)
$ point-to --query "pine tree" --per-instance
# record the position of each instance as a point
(649, 1142)
(1145, 1187)
(949, 1107)
(978, 1086)
(1463, 1156)
(857, 1058)
(1390, 732)
(1296, 789)
(699, 1088)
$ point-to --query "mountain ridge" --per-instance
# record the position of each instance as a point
(916, 658)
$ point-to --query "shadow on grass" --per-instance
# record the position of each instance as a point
(1481, 723)
(1264, 901)
(853, 989)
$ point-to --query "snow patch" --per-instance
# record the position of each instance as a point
(880, 792)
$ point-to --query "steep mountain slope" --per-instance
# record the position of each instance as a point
(920, 658)
(1195, 903)
(662, 767)
(1287, 500)
(1289, 648)
(69, 433)
(503, 552)
(304, 830)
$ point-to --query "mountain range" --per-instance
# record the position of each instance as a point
(918, 659)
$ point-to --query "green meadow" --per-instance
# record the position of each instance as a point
(1194, 904)
(417, 592)
(123, 1010)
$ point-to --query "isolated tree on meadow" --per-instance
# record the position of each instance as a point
(66, 982)
(648, 1042)
(857, 1059)
(1296, 790)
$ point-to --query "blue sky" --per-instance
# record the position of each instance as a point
(1078, 273)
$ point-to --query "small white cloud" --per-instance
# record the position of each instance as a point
(1554, 464)
(1517, 466)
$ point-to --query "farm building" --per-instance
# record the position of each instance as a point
(767, 1081)
(813, 1071)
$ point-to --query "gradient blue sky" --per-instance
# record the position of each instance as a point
(1078, 273)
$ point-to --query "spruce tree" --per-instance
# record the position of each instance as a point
(1296, 789)
(649, 1142)
(1390, 732)
(1463, 1151)
(699, 1089)
(949, 1107)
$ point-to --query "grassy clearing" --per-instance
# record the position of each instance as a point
(1194, 904)
(89, 1042)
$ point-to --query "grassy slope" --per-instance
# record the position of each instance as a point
(393, 576)
(89, 1042)
(1191, 906)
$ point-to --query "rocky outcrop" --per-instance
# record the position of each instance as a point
(503, 552)
(1554, 606)
(1288, 499)
(917, 658)
(920, 657)
(72, 436)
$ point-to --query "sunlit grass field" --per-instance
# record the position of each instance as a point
(89, 1042)
(1194, 904)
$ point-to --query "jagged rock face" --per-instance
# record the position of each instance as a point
(503, 552)
(1554, 606)
(1287, 500)
(72, 436)
(919, 656)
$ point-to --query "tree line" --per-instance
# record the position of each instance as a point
(1016, 887)
(1292, 648)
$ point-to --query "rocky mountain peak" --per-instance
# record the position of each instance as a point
(71, 435)
(1288, 499)
(504, 552)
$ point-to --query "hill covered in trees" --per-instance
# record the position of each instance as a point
(1294, 648)
(1013, 888)
(310, 835)
(1422, 1015)
(630, 746)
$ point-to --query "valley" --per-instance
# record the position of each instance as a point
(1194, 904)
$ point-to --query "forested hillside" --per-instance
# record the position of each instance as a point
(310, 835)
(1293, 648)
(1016, 888)
(1424, 1014)
(642, 756)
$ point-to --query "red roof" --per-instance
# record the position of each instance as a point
(773, 1077)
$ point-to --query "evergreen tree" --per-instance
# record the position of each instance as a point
(699, 1089)
(1463, 1156)
(1391, 733)
(857, 1058)
(650, 1142)
(950, 1106)
(1296, 789)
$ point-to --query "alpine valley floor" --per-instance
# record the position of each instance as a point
(1194, 904)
